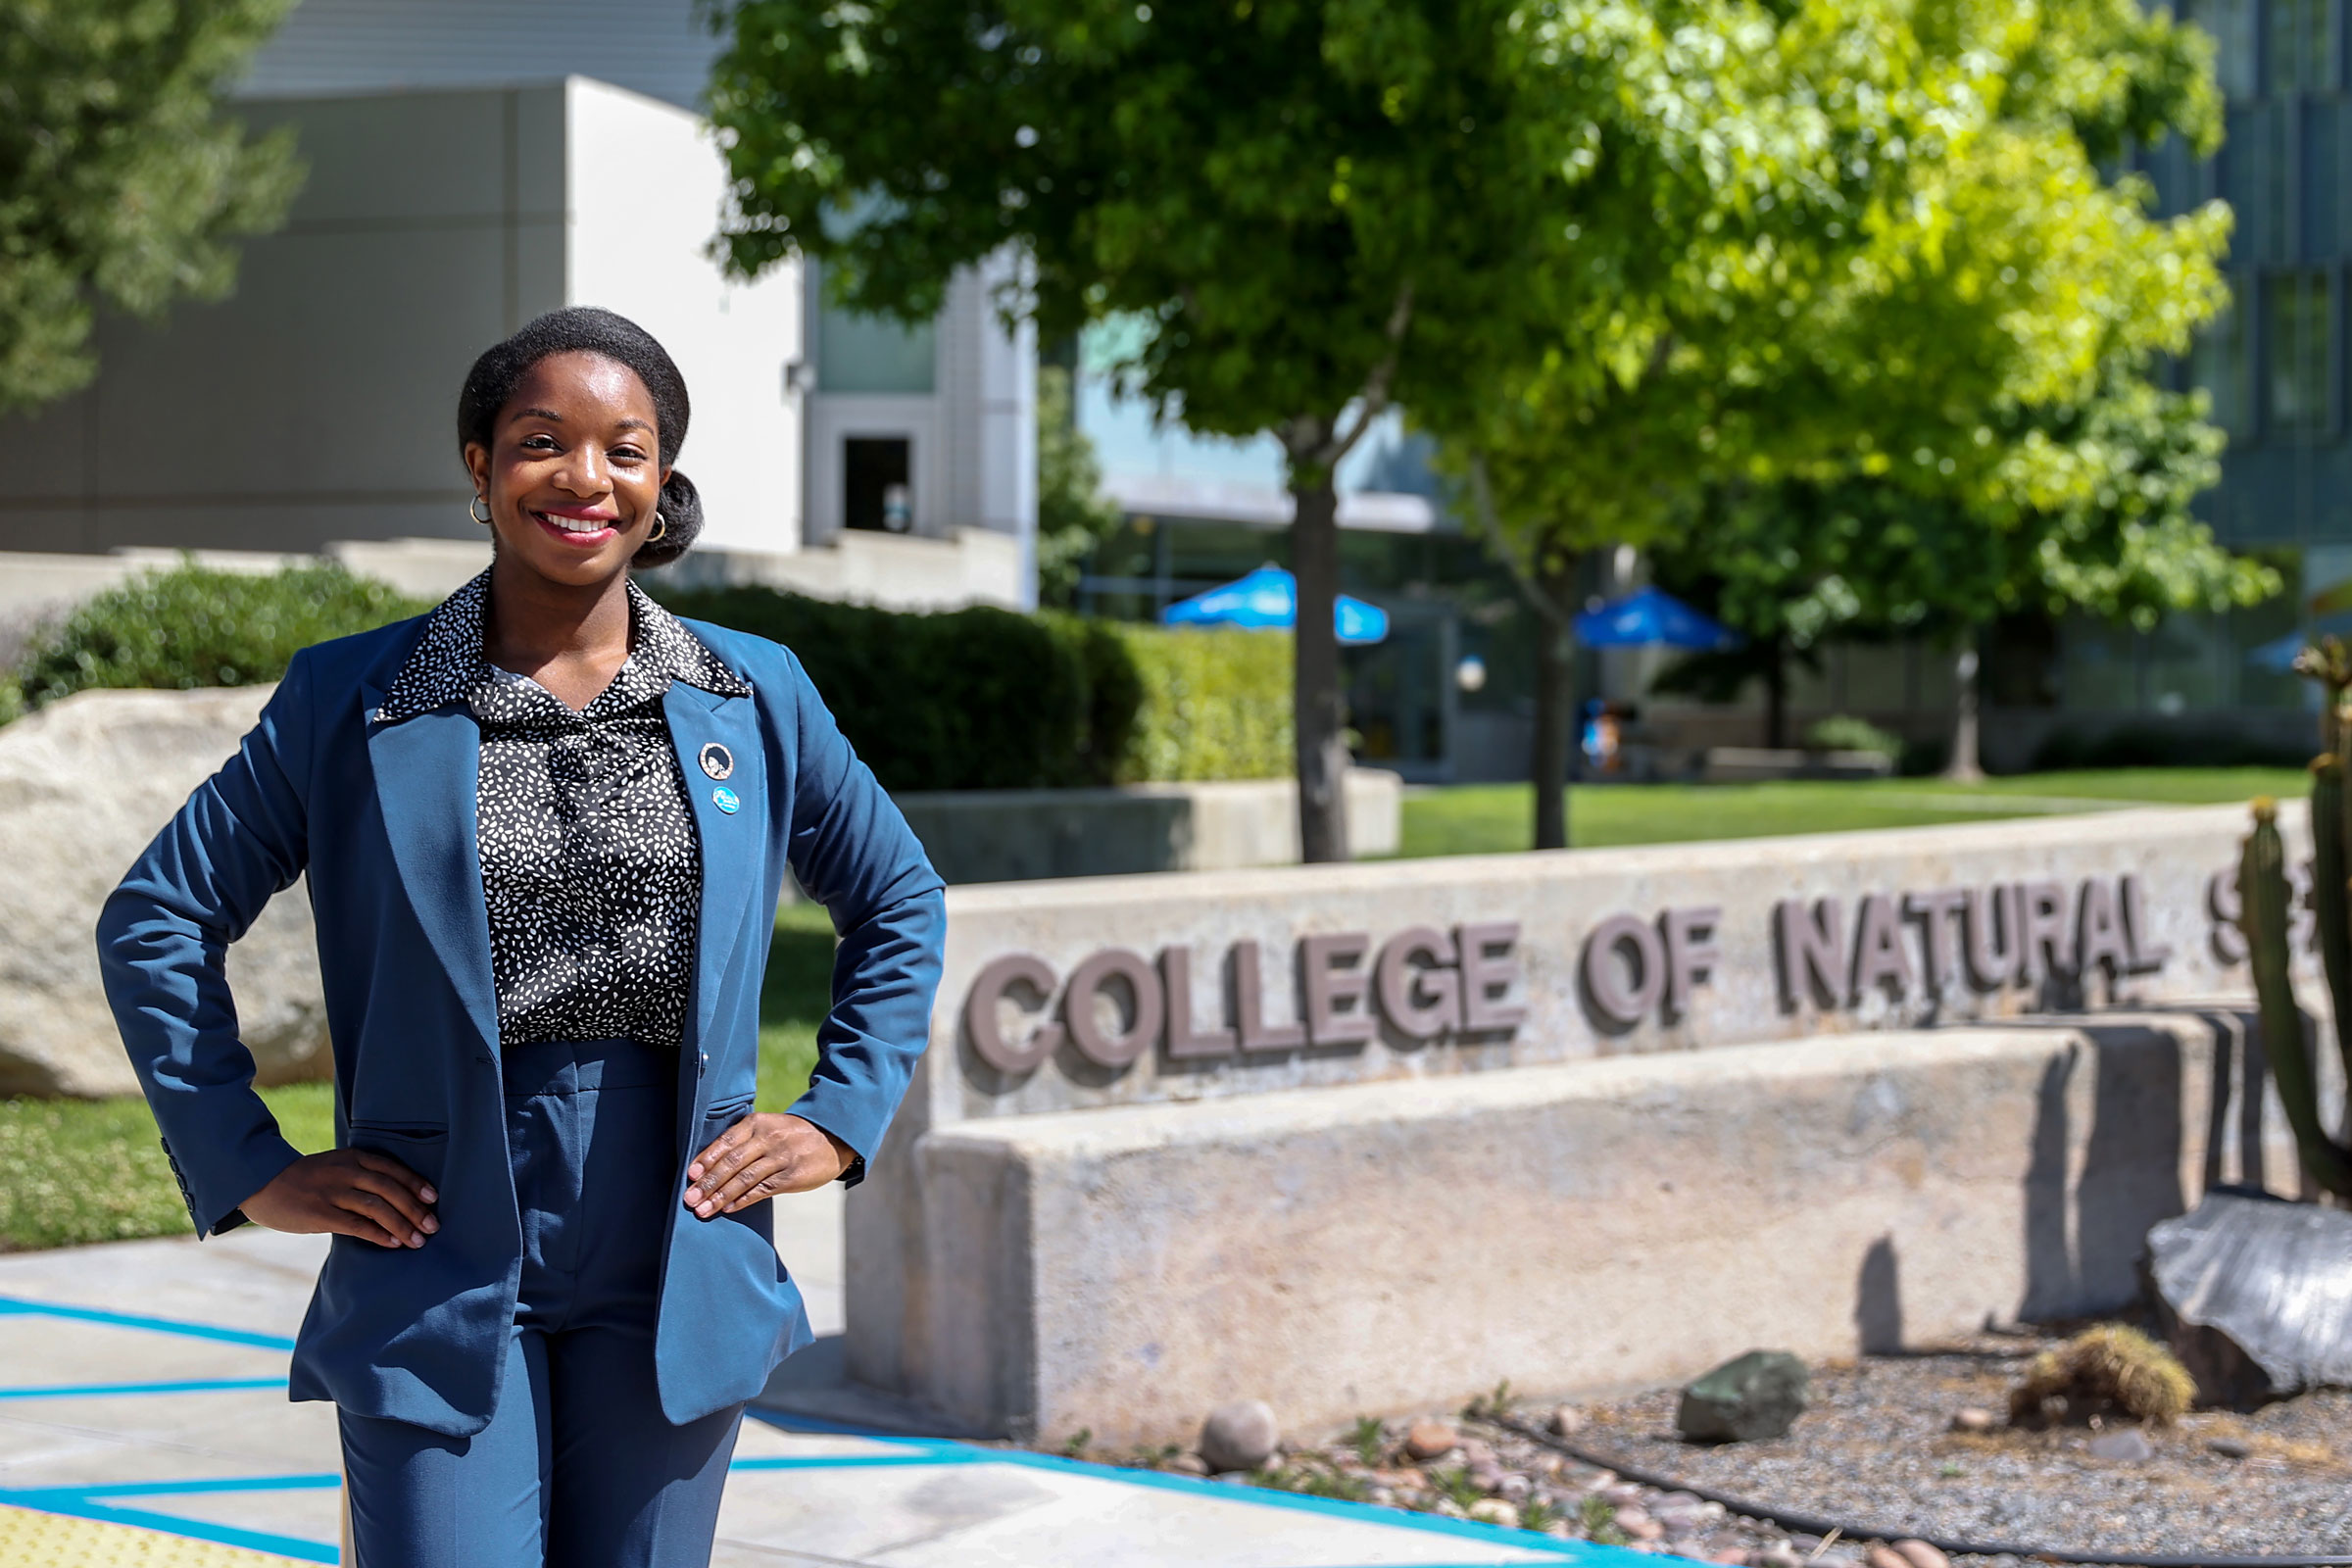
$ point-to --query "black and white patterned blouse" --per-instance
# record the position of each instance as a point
(590, 865)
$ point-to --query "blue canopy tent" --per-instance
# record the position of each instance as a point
(1650, 615)
(1269, 598)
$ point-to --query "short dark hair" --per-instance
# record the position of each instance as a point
(585, 330)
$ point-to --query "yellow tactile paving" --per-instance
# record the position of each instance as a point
(31, 1540)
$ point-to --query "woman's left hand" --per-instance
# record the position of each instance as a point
(760, 1156)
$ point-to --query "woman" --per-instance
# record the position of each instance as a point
(545, 829)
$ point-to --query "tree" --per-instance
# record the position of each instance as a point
(1974, 343)
(1072, 514)
(1804, 562)
(119, 184)
(1320, 207)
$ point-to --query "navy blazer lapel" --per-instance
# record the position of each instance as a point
(731, 841)
(427, 771)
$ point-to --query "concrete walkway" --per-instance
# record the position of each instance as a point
(143, 1419)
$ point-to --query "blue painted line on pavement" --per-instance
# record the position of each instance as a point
(320, 1481)
(93, 1391)
(95, 1502)
(944, 1451)
(154, 1325)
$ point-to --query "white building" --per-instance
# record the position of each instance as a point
(474, 163)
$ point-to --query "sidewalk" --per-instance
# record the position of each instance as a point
(143, 1419)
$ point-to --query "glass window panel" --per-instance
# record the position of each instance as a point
(2295, 338)
(2260, 636)
(2232, 24)
(871, 353)
(2301, 43)
(2183, 660)
(2097, 666)
(2218, 366)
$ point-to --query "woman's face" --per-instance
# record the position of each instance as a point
(573, 472)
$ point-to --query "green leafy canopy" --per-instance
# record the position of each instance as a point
(119, 184)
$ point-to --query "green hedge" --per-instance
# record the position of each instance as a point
(191, 626)
(988, 699)
(1216, 704)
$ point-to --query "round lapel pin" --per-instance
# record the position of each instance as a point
(716, 759)
(726, 800)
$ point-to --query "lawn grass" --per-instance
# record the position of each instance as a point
(1498, 818)
(74, 1172)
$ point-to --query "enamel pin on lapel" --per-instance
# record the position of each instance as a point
(726, 800)
(716, 759)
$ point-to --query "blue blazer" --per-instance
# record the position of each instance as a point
(382, 817)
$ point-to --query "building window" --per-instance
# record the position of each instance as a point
(2232, 24)
(2217, 367)
(872, 354)
(2297, 330)
(877, 491)
(2302, 45)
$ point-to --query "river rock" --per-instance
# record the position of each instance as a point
(2255, 1294)
(1239, 1436)
(84, 785)
(1747, 1399)
(2128, 1446)
(1427, 1440)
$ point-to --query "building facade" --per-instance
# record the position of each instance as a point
(470, 166)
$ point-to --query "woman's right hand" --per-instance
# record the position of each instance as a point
(351, 1192)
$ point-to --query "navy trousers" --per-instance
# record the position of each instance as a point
(577, 1468)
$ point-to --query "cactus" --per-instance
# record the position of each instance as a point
(2265, 917)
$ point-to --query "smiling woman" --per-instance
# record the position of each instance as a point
(541, 920)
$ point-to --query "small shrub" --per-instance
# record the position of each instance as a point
(1844, 732)
(2103, 1371)
(191, 626)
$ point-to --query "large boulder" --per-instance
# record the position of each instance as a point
(85, 784)
(2255, 1294)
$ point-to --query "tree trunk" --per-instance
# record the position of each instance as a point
(1776, 693)
(1318, 707)
(1556, 708)
(1965, 765)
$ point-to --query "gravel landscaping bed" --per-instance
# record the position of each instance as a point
(1878, 1452)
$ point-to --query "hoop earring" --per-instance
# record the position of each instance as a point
(469, 512)
(661, 527)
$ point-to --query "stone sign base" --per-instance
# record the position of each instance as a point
(1577, 1228)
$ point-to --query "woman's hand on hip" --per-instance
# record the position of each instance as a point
(760, 1156)
(350, 1191)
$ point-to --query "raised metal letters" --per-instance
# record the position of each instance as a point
(1882, 957)
(2099, 933)
(1995, 918)
(1185, 1041)
(1249, 1006)
(1082, 1008)
(1624, 968)
(2147, 955)
(981, 1009)
(1339, 1010)
(1938, 918)
(1691, 952)
(1420, 1000)
(2049, 938)
(1489, 968)
(1811, 949)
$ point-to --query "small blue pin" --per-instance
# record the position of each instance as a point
(726, 800)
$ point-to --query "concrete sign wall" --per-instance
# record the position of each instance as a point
(1344, 1138)
(1119, 992)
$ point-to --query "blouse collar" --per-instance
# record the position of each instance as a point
(448, 666)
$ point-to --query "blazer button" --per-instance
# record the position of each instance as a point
(706, 1058)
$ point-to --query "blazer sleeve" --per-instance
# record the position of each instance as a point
(163, 935)
(854, 853)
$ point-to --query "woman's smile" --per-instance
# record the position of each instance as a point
(583, 526)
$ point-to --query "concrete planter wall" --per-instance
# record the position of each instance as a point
(1024, 835)
(1368, 1138)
